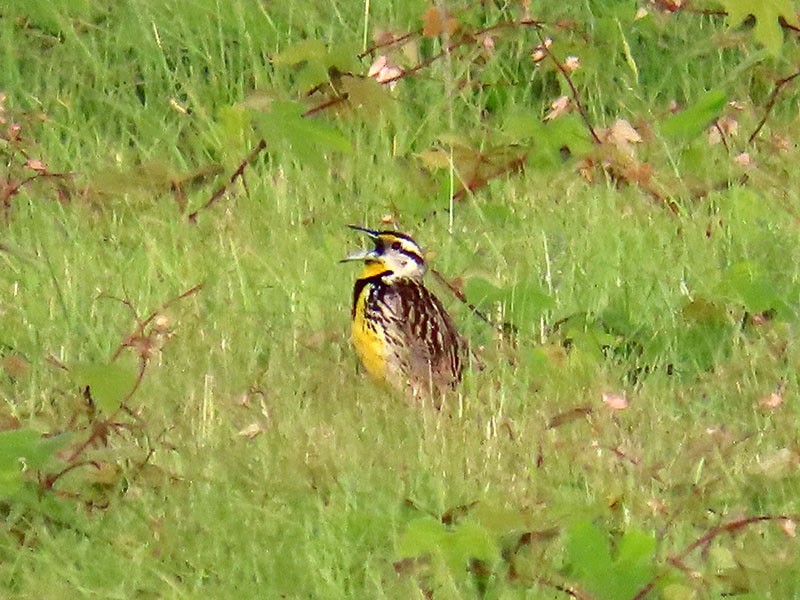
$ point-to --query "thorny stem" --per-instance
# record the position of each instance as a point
(141, 325)
(465, 39)
(100, 428)
(504, 328)
(391, 42)
(239, 172)
(574, 91)
(704, 540)
(773, 97)
(48, 482)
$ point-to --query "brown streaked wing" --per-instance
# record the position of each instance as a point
(434, 344)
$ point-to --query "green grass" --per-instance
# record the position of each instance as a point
(345, 479)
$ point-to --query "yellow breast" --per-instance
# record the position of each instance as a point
(368, 340)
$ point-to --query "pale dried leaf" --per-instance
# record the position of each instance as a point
(558, 107)
(615, 401)
(637, 172)
(242, 400)
(15, 366)
(669, 6)
(586, 169)
(728, 126)
(743, 159)
(436, 21)
(657, 506)
(251, 430)
(35, 165)
(780, 142)
(622, 135)
(540, 52)
(771, 402)
(177, 107)
(383, 37)
(376, 67)
(390, 75)
(623, 132)
(714, 136)
(789, 527)
(383, 71)
(572, 63)
(778, 465)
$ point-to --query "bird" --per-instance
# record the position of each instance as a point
(400, 330)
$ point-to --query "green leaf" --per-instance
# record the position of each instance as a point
(744, 283)
(607, 578)
(108, 384)
(456, 547)
(703, 336)
(22, 449)
(366, 95)
(694, 120)
(316, 61)
(481, 292)
(468, 541)
(523, 301)
(498, 215)
(306, 50)
(587, 551)
(634, 562)
(498, 518)
(308, 139)
(234, 123)
(422, 536)
(767, 13)
(528, 301)
(550, 142)
(10, 482)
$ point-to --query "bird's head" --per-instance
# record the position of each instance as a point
(395, 256)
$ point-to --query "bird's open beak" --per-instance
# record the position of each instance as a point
(370, 232)
(362, 254)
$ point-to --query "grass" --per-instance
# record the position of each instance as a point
(346, 491)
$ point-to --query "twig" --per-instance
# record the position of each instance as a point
(48, 482)
(773, 97)
(239, 172)
(732, 526)
(722, 136)
(325, 105)
(391, 42)
(465, 39)
(574, 91)
(141, 325)
(505, 327)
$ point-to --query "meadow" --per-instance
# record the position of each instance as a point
(608, 194)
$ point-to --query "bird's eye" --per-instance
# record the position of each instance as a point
(396, 246)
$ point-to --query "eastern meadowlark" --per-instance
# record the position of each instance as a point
(400, 330)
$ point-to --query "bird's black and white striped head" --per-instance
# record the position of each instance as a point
(395, 256)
